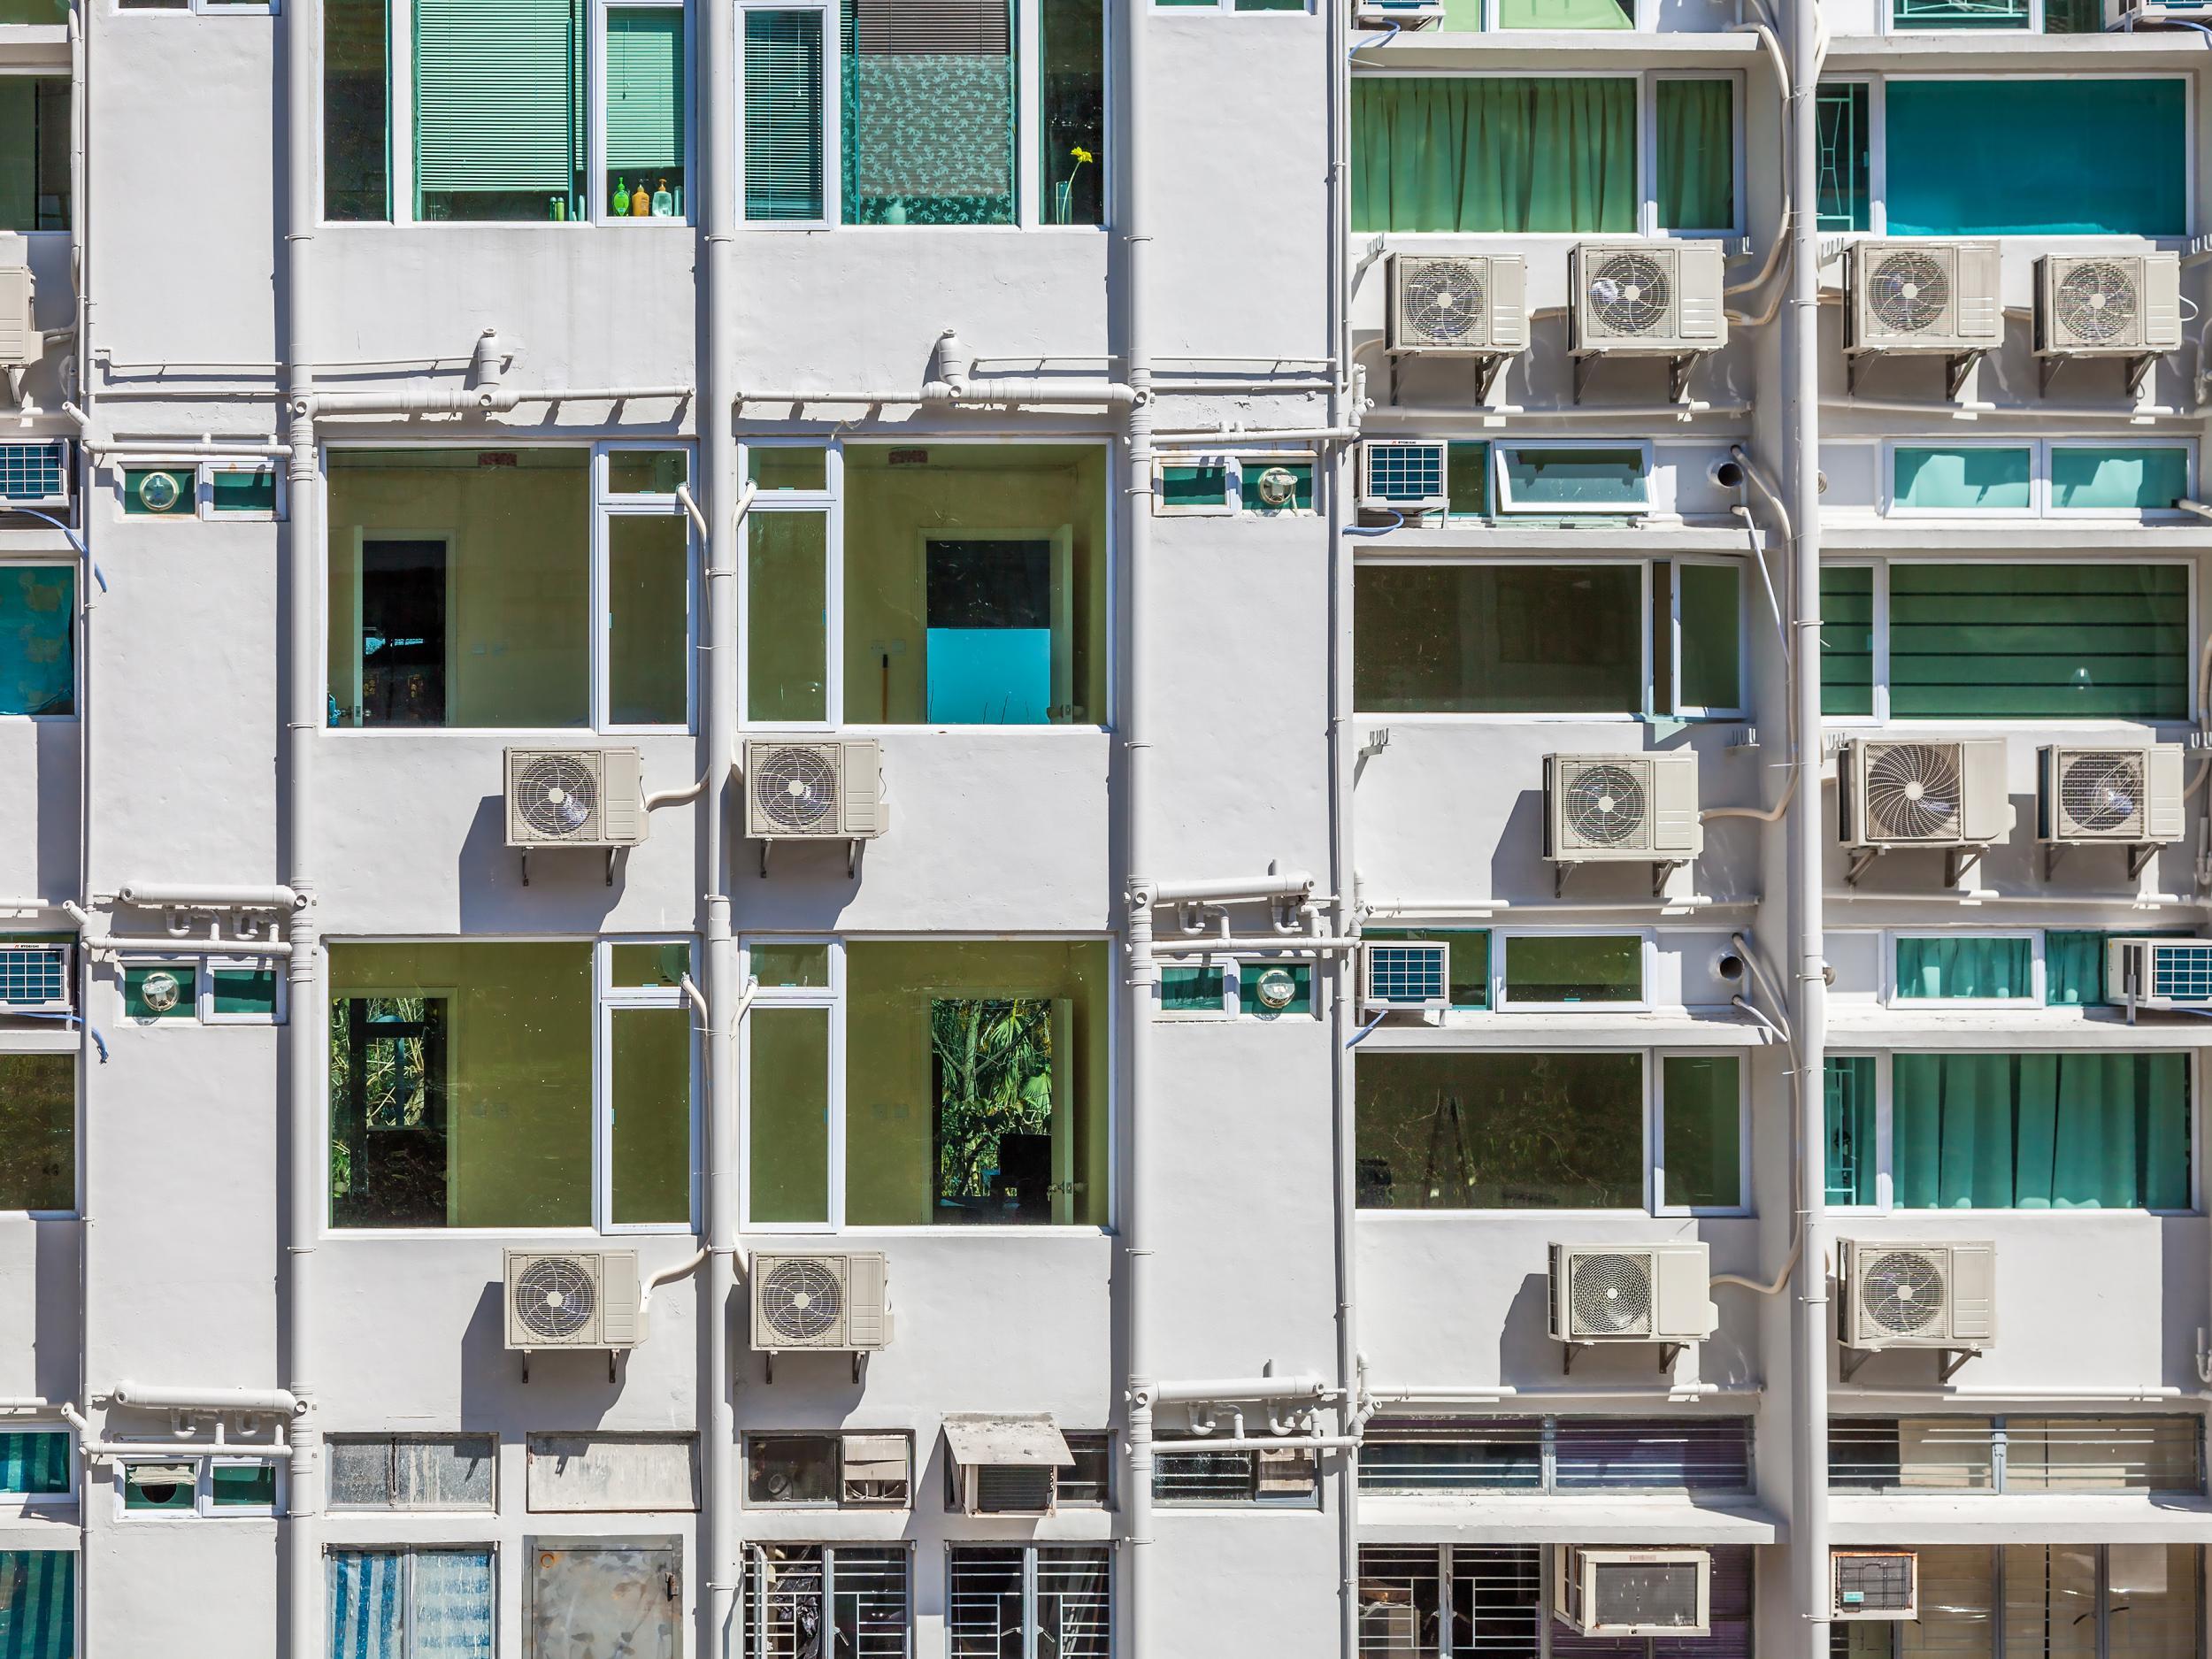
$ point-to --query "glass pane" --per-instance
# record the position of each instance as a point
(645, 112)
(1501, 1455)
(1968, 479)
(1846, 157)
(2073, 968)
(788, 1108)
(1710, 599)
(1499, 1131)
(649, 620)
(1982, 969)
(164, 1487)
(242, 490)
(356, 116)
(786, 616)
(245, 991)
(1185, 990)
(1193, 484)
(368, 1603)
(1090, 1479)
(460, 587)
(1400, 1601)
(646, 472)
(38, 1603)
(34, 1462)
(1257, 483)
(151, 491)
(243, 1486)
(1073, 1614)
(1703, 1148)
(1075, 111)
(984, 1603)
(38, 1131)
(38, 639)
(1957, 1606)
(1289, 984)
(499, 109)
(639, 966)
(33, 153)
(1846, 639)
(790, 965)
(1470, 639)
(2086, 478)
(410, 1472)
(787, 466)
(1960, 14)
(1571, 481)
(929, 113)
(2124, 1454)
(1467, 480)
(1854, 1154)
(791, 1469)
(2151, 1600)
(650, 1106)
(783, 116)
(1647, 1455)
(1501, 155)
(167, 990)
(1566, 14)
(1566, 968)
(451, 1609)
(2051, 1600)
(1697, 154)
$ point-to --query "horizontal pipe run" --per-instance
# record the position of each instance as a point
(1487, 906)
(1295, 884)
(184, 895)
(1199, 944)
(2026, 412)
(2122, 1394)
(189, 450)
(1446, 1394)
(1985, 895)
(423, 399)
(997, 393)
(248, 1451)
(1215, 1390)
(153, 945)
(1478, 412)
(1247, 439)
(831, 397)
(257, 1402)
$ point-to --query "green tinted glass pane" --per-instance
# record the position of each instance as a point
(1185, 484)
(243, 1486)
(1301, 488)
(649, 620)
(1697, 154)
(1566, 14)
(50, 12)
(632, 965)
(38, 639)
(244, 991)
(1702, 1145)
(1477, 639)
(234, 489)
(33, 153)
(787, 966)
(1854, 1155)
(2073, 968)
(1191, 989)
(1711, 605)
(1255, 981)
(1074, 111)
(1960, 14)
(34, 1462)
(652, 1108)
(1663, 637)
(1469, 969)
(38, 1131)
(1980, 970)
(786, 617)
(166, 491)
(1467, 480)
(1567, 968)
(1845, 156)
(1846, 639)
(161, 990)
(787, 466)
(1574, 481)
(2086, 478)
(646, 472)
(788, 1109)
(1966, 479)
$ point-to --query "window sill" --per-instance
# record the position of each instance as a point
(1861, 1029)
(2013, 50)
(1946, 533)
(1585, 50)
(1609, 1518)
(2134, 1517)
(1678, 1029)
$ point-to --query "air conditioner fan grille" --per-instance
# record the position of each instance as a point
(554, 1298)
(796, 788)
(1902, 1292)
(1630, 294)
(1605, 806)
(1912, 792)
(2101, 793)
(557, 794)
(1442, 299)
(801, 1300)
(2097, 300)
(1910, 292)
(1611, 1294)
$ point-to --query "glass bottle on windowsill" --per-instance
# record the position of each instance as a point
(663, 203)
(641, 202)
(620, 204)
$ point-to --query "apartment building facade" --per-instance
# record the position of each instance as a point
(1068, 831)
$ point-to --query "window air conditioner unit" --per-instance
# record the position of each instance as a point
(1647, 298)
(1006, 1463)
(1873, 1584)
(2158, 974)
(1400, 476)
(1408, 975)
(832, 1304)
(574, 798)
(2130, 794)
(1467, 303)
(1918, 1295)
(814, 789)
(1632, 1591)
(1635, 1292)
(20, 343)
(1622, 808)
(1922, 793)
(34, 474)
(38, 978)
(574, 1299)
(2108, 304)
(1923, 296)
(2125, 14)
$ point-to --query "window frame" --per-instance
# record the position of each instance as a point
(1233, 967)
(752, 1554)
(1891, 998)
(1031, 1646)
(1236, 466)
(1885, 1136)
(607, 505)
(201, 8)
(245, 959)
(838, 1502)
(390, 1442)
(188, 1010)
(1655, 1079)
(2041, 453)
(1999, 1425)
(1501, 949)
(61, 1042)
(608, 999)
(832, 215)
(78, 570)
(203, 1505)
(597, 164)
(210, 513)
(71, 1463)
(1503, 506)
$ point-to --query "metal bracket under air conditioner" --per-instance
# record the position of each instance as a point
(1679, 367)
(526, 875)
(1956, 366)
(860, 1365)
(1660, 869)
(852, 857)
(1669, 1352)
(2139, 369)
(1948, 1360)
(2139, 855)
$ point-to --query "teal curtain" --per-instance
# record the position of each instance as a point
(1494, 155)
(1854, 1150)
(35, 1460)
(1697, 155)
(38, 1604)
(2073, 969)
(783, 115)
(929, 112)
(1987, 970)
(38, 633)
(2055, 1131)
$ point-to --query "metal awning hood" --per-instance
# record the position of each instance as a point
(1001, 1438)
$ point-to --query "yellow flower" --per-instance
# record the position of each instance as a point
(1079, 153)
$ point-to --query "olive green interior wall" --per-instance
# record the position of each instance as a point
(889, 1108)
(650, 1061)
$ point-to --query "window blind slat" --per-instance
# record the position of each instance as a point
(497, 103)
(783, 115)
(645, 87)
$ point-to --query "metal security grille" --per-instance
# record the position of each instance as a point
(1406, 974)
(1405, 472)
(1042, 1602)
(1558, 1455)
(795, 1592)
(1495, 1598)
(33, 976)
(2182, 972)
(31, 472)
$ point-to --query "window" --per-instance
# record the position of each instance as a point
(2128, 481)
(38, 1601)
(238, 1488)
(2015, 1454)
(1283, 1478)
(1584, 155)
(805, 1600)
(1088, 1482)
(2048, 1131)
(1469, 987)
(239, 489)
(1208, 986)
(1621, 637)
(1494, 1595)
(596, 1474)
(953, 1083)
(38, 1133)
(1923, 641)
(962, 585)
(781, 94)
(1998, 969)
(645, 125)
(411, 1472)
(410, 1603)
(1223, 486)
(357, 117)
(499, 103)
(1704, 1154)
(1572, 970)
(35, 152)
(1557, 1454)
(830, 1471)
(1567, 480)
(2085, 1600)
(1949, 162)
(463, 1091)
(462, 588)
(35, 1464)
(242, 990)
(38, 639)
(1034, 1601)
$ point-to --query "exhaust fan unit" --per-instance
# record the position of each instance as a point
(1918, 1295)
(1648, 299)
(1631, 1292)
(574, 798)
(574, 1299)
(2129, 795)
(1395, 477)
(829, 1303)
(2107, 305)
(1471, 304)
(814, 789)
(2158, 974)
(38, 978)
(1632, 1591)
(1408, 975)
(1621, 809)
(1925, 298)
(1874, 1584)
(1894, 794)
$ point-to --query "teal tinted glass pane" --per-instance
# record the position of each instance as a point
(645, 91)
(1502, 154)
(1188, 990)
(1974, 157)
(2087, 477)
(1193, 485)
(1574, 969)
(1972, 479)
(38, 1603)
(245, 991)
(38, 639)
(1847, 153)
(1711, 602)
(1468, 984)
(1701, 1146)
(161, 1488)
(234, 490)
(1960, 14)
(34, 1462)
(1977, 969)
(1846, 639)
(243, 1486)
(783, 115)
(1853, 1158)
(1575, 480)
(499, 109)
(1256, 978)
(1467, 480)
(1300, 485)
(2079, 641)
(2073, 969)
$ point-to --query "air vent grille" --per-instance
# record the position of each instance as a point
(1405, 472)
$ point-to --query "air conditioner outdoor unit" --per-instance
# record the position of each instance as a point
(1921, 793)
(830, 1303)
(1647, 298)
(2108, 304)
(20, 343)
(1632, 1591)
(1631, 1292)
(38, 978)
(1923, 296)
(2130, 794)
(2158, 974)
(574, 798)
(574, 1299)
(1918, 1295)
(1406, 975)
(1400, 476)
(1621, 807)
(814, 789)
(1873, 1584)
(1466, 303)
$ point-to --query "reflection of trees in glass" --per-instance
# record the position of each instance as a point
(993, 1060)
(38, 1116)
(386, 1079)
(1500, 1132)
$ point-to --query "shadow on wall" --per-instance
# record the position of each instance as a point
(569, 1392)
(568, 887)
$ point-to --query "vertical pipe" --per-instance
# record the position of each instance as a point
(1800, 365)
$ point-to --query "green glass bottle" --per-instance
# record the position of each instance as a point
(621, 203)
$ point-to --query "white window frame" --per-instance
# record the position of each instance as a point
(1502, 950)
(595, 145)
(1656, 1139)
(203, 1505)
(206, 495)
(2041, 454)
(1503, 506)
(1887, 483)
(831, 501)
(1892, 998)
(1232, 486)
(606, 507)
(1230, 1005)
(2032, 24)
(124, 465)
(1171, 8)
(608, 999)
(832, 216)
(201, 8)
(246, 960)
(407, 1551)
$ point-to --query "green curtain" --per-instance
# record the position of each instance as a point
(1697, 155)
(1852, 1159)
(35, 1460)
(1494, 154)
(2056, 1130)
(1984, 969)
(2073, 969)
